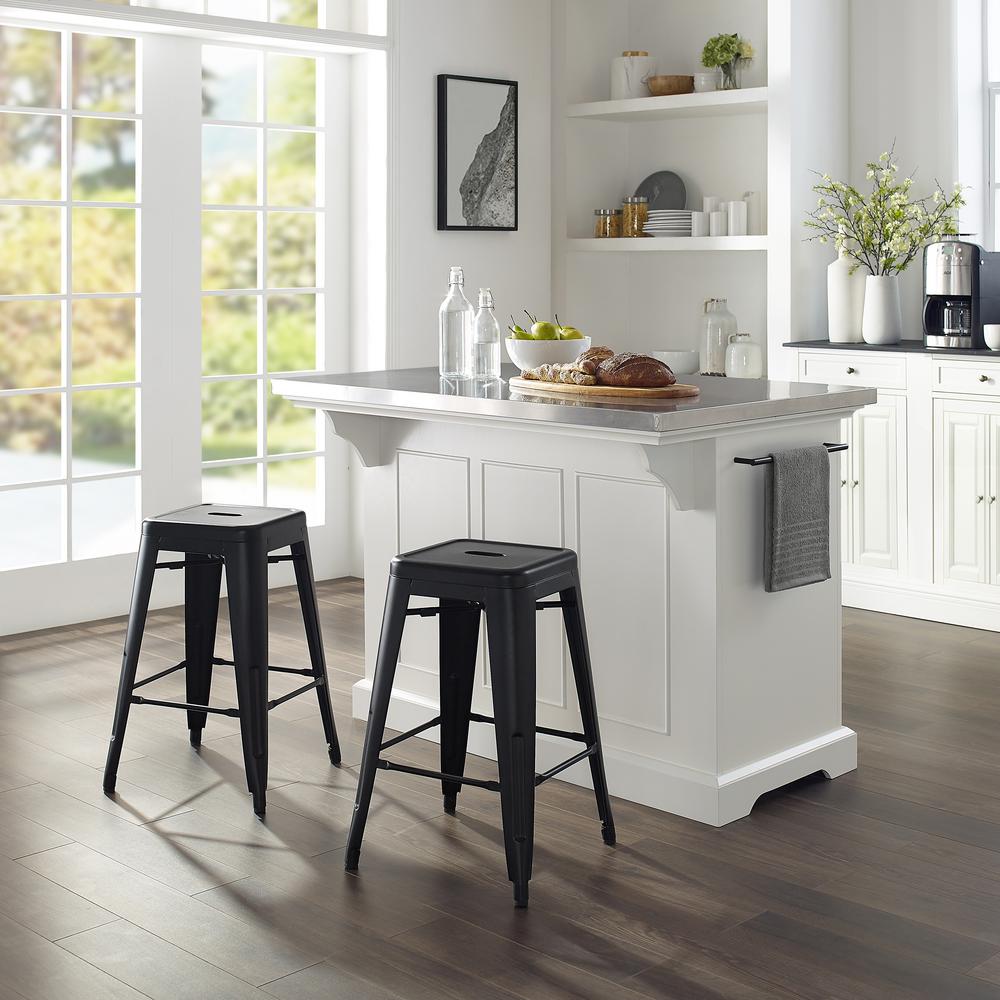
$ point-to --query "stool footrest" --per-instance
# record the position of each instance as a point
(162, 673)
(186, 706)
(294, 694)
(305, 671)
(575, 759)
(388, 765)
(561, 733)
(416, 731)
(184, 563)
(450, 610)
(280, 559)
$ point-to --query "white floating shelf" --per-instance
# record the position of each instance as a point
(664, 244)
(751, 101)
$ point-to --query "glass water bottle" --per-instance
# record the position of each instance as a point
(718, 324)
(455, 329)
(486, 339)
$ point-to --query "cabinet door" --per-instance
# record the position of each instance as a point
(878, 483)
(993, 498)
(960, 509)
(846, 458)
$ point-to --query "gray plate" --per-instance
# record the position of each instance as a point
(664, 189)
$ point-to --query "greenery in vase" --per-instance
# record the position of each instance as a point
(730, 53)
(885, 230)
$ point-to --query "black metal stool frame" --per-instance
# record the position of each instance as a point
(510, 617)
(246, 564)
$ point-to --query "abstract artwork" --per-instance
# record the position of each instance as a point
(477, 153)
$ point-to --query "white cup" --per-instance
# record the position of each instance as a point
(991, 333)
(699, 224)
(737, 218)
(718, 225)
(706, 82)
(710, 203)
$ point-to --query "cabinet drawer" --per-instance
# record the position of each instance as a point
(971, 376)
(873, 371)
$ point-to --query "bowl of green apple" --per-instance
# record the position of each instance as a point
(544, 343)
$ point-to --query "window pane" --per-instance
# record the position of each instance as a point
(252, 10)
(291, 250)
(103, 160)
(291, 90)
(30, 344)
(230, 81)
(30, 438)
(290, 428)
(296, 483)
(229, 249)
(104, 250)
(229, 334)
(302, 12)
(103, 73)
(31, 68)
(236, 484)
(103, 431)
(228, 420)
(31, 242)
(291, 333)
(105, 520)
(229, 165)
(291, 168)
(30, 157)
(41, 509)
(103, 342)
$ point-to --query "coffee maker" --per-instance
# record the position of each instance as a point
(961, 293)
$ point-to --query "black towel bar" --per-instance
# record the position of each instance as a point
(769, 459)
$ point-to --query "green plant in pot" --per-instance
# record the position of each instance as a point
(731, 54)
(882, 232)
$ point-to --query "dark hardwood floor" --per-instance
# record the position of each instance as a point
(882, 884)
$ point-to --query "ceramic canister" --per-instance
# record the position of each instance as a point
(629, 74)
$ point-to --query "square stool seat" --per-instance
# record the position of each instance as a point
(226, 522)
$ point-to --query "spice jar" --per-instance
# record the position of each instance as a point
(607, 223)
(635, 213)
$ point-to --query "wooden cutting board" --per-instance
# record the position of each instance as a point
(677, 391)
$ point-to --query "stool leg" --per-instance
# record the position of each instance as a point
(310, 619)
(202, 583)
(579, 650)
(458, 643)
(246, 576)
(142, 586)
(510, 626)
(393, 618)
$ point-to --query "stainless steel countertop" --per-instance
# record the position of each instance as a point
(420, 393)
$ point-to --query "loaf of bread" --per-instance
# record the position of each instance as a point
(634, 371)
(578, 373)
(596, 354)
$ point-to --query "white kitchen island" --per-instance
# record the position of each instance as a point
(710, 691)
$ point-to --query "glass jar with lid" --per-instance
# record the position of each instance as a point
(607, 223)
(635, 214)
(743, 357)
(718, 324)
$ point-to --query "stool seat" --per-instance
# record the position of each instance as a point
(474, 563)
(226, 522)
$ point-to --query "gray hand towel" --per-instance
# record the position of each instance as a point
(797, 519)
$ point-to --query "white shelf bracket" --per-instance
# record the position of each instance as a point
(363, 433)
(686, 470)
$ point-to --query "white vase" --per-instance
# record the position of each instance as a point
(882, 320)
(845, 300)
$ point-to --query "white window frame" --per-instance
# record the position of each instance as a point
(169, 434)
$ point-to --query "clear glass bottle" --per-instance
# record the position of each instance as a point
(455, 329)
(486, 339)
(718, 324)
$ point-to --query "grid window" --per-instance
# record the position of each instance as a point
(262, 305)
(69, 289)
(303, 13)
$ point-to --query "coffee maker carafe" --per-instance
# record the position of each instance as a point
(952, 275)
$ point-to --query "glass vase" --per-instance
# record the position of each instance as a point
(732, 75)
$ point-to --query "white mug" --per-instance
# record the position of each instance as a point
(991, 333)
(699, 224)
(737, 218)
(718, 225)
(710, 203)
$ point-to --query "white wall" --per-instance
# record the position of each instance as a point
(902, 87)
(508, 40)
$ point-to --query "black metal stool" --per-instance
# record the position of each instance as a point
(508, 582)
(240, 538)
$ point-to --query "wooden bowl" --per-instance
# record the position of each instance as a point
(668, 86)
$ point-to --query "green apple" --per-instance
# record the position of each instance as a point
(570, 333)
(518, 332)
(544, 330)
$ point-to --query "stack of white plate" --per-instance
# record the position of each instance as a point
(669, 222)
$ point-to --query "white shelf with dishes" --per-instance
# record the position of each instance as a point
(668, 244)
(717, 103)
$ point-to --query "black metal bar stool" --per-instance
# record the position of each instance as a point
(509, 583)
(213, 536)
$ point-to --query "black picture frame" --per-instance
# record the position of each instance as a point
(447, 184)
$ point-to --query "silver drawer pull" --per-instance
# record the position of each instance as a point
(984, 378)
(852, 371)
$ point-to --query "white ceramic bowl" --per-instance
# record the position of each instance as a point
(991, 333)
(532, 353)
(679, 362)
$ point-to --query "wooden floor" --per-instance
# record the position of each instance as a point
(884, 883)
